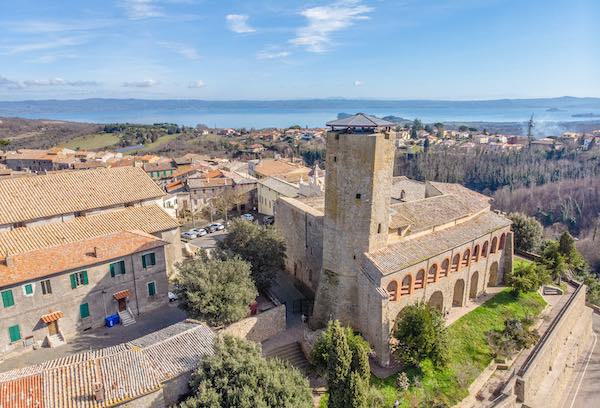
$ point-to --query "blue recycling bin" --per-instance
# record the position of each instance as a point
(112, 320)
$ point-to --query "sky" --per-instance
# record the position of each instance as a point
(281, 49)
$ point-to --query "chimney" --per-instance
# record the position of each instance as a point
(98, 392)
(97, 252)
(10, 261)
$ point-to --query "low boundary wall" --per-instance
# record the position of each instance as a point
(260, 327)
(565, 338)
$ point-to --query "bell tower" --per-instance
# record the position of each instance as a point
(359, 169)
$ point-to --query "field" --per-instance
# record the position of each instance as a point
(154, 145)
(92, 142)
(469, 353)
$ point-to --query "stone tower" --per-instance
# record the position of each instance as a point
(358, 179)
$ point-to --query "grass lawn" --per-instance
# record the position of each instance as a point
(469, 352)
(92, 142)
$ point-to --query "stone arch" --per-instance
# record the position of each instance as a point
(493, 275)
(392, 289)
(406, 287)
(459, 293)
(484, 249)
(473, 285)
(475, 256)
(466, 258)
(436, 301)
(502, 241)
(420, 279)
(455, 263)
(432, 275)
(445, 268)
(494, 245)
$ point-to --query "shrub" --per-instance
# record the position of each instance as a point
(527, 230)
(516, 335)
(527, 277)
(420, 334)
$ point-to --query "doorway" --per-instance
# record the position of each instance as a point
(473, 285)
(122, 304)
(459, 291)
(53, 328)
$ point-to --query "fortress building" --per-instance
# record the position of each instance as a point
(376, 243)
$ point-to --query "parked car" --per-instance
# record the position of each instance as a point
(268, 220)
(189, 235)
(199, 231)
(210, 228)
(172, 296)
(217, 226)
(247, 217)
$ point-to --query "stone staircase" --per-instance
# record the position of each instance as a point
(55, 340)
(126, 317)
(292, 353)
(552, 290)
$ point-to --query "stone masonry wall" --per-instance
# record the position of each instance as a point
(260, 327)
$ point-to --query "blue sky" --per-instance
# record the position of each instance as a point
(280, 49)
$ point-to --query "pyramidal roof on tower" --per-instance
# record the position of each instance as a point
(360, 120)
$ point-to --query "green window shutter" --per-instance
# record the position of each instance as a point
(84, 310)
(112, 270)
(73, 281)
(144, 261)
(29, 289)
(14, 333)
(152, 259)
(122, 267)
(84, 277)
(151, 288)
(7, 298)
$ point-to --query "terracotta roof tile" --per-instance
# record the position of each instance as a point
(52, 317)
(30, 198)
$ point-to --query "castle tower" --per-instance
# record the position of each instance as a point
(358, 179)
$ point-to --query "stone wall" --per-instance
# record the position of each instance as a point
(260, 327)
(543, 378)
(302, 229)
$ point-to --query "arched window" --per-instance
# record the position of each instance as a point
(402, 195)
(455, 263)
(467, 257)
(432, 275)
(392, 289)
(476, 253)
(494, 245)
(502, 241)
(445, 269)
(420, 279)
(484, 249)
(406, 288)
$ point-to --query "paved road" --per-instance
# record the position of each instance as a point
(210, 240)
(585, 392)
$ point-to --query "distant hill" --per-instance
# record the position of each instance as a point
(42, 134)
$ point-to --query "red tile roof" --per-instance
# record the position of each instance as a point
(52, 317)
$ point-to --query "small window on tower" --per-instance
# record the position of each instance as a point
(337, 136)
(358, 196)
(387, 135)
(334, 158)
(379, 228)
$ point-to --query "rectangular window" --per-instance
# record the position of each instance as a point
(84, 310)
(148, 260)
(7, 298)
(28, 289)
(46, 287)
(117, 268)
(79, 279)
(151, 288)
(14, 333)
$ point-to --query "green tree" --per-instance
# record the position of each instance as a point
(226, 201)
(414, 130)
(527, 278)
(4, 143)
(338, 367)
(236, 375)
(554, 260)
(527, 231)
(217, 291)
(420, 334)
(566, 245)
(263, 247)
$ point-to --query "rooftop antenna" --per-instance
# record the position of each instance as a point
(530, 126)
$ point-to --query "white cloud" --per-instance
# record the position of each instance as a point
(196, 84)
(323, 21)
(182, 49)
(148, 83)
(358, 83)
(43, 45)
(46, 27)
(7, 83)
(271, 54)
(141, 9)
(238, 23)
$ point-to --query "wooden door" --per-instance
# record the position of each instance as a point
(53, 328)
(122, 304)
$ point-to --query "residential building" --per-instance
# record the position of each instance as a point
(149, 372)
(281, 168)
(270, 189)
(159, 171)
(377, 243)
(52, 292)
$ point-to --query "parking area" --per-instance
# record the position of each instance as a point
(100, 337)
